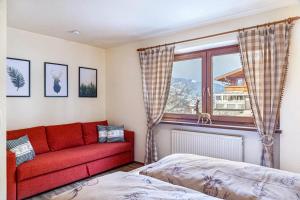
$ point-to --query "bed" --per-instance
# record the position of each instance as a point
(225, 179)
(130, 186)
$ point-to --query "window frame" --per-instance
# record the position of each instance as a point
(207, 93)
(189, 56)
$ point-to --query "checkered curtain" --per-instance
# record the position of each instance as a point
(264, 55)
(156, 66)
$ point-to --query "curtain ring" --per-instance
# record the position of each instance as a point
(267, 140)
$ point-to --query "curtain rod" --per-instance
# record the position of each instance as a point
(289, 20)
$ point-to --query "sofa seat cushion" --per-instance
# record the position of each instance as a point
(90, 132)
(64, 136)
(36, 135)
(58, 160)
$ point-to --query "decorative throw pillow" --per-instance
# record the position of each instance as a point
(115, 134)
(102, 133)
(22, 148)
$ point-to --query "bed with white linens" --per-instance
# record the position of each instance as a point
(225, 179)
(130, 186)
(191, 177)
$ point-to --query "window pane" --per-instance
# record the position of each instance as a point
(230, 95)
(185, 87)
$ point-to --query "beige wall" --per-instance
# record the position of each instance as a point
(124, 92)
(2, 99)
(40, 110)
(124, 100)
(290, 111)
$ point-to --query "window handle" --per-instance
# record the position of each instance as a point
(208, 91)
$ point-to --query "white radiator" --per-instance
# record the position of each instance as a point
(208, 144)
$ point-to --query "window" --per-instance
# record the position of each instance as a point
(214, 79)
(185, 86)
(228, 80)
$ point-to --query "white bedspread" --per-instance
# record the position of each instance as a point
(130, 186)
(226, 179)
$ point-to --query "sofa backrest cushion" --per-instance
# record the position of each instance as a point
(90, 132)
(64, 136)
(36, 135)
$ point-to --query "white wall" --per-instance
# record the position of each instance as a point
(2, 99)
(39, 110)
(124, 99)
(290, 111)
(124, 92)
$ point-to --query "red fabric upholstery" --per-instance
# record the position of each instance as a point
(51, 169)
(108, 163)
(129, 137)
(64, 136)
(90, 133)
(58, 160)
(46, 182)
(11, 176)
(36, 135)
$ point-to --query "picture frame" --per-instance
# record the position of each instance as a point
(87, 86)
(18, 81)
(55, 80)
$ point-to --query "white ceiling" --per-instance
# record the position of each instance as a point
(108, 23)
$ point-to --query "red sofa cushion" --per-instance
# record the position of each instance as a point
(90, 133)
(101, 165)
(58, 160)
(45, 182)
(36, 135)
(64, 136)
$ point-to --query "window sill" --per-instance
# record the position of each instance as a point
(219, 126)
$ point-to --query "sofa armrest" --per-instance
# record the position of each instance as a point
(11, 175)
(129, 137)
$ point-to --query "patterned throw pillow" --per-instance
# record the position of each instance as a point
(115, 134)
(102, 133)
(22, 148)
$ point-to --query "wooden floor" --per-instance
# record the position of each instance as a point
(48, 195)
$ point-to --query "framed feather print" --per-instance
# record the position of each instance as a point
(56, 80)
(87, 82)
(18, 77)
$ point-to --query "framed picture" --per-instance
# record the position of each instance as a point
(56, 80)
(87, 82)
(18, 77)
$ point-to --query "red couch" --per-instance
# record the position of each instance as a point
(64, 154)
